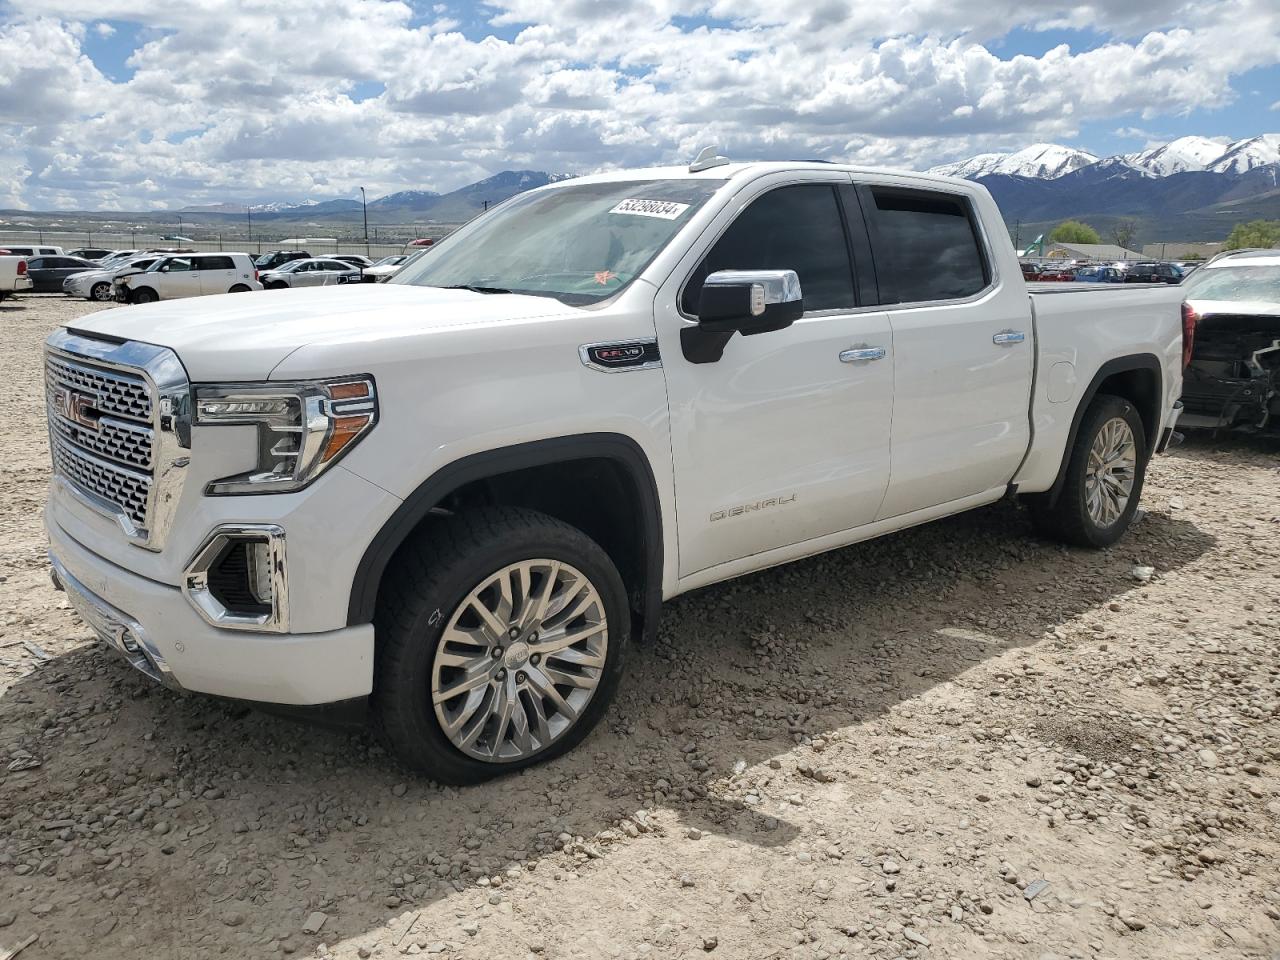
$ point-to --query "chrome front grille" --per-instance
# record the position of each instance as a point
(120, 488)
(116, 392)
(101, 433)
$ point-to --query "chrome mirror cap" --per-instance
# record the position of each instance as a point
(767, 286)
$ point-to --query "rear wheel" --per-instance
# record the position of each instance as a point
(101, 292)
(501, 639)
(239, 288)
(1104, 478)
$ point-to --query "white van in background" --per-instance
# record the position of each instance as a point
(188, 275)
(27, 250)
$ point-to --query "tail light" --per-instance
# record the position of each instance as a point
(255, 274)
(22, 267)
(1189, 320)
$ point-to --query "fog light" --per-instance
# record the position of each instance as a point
(237, 580)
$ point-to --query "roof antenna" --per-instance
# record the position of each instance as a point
(707, 158)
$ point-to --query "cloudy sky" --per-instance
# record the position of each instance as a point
(139, 104)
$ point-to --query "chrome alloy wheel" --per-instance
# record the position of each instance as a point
(1113, 462)
(519, 660)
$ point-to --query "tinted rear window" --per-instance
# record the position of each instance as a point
(214, 263)
(926, 247)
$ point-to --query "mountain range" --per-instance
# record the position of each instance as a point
(458, 205)
(1192, 188)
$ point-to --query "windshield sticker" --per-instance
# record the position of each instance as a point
(662, 209)
(604, 276)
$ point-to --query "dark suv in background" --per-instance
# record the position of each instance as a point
(270, 261)
(1152, 272)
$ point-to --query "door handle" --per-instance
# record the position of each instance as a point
(862, 353)
(1009, 336)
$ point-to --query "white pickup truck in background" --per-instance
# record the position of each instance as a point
(13, 276)
(459, 495)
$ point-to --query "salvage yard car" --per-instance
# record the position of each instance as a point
(98, 284)
(13, 276)
(48, 273)
(316, 272)
(194, 275)
(458, 496)
(1233, 379)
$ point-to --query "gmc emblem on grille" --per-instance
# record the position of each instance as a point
(76, 407)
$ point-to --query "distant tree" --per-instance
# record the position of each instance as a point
(1073, 231)
(1125, 233)
(1255, 233)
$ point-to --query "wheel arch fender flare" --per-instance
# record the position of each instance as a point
(1145, 362)
(617, 447)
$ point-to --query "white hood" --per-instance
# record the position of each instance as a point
(244, 336)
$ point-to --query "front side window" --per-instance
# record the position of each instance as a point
(926, 247)
(173, 265)
(579, 243)
(791, 228)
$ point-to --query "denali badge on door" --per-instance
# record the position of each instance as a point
(621, 355)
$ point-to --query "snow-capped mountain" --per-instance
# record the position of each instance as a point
(1177, 156)
(1044, 161)
(1049, 161)
(1243, 155)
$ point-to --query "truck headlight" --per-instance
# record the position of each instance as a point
(303, 428)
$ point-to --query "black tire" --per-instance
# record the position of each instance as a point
(239, 288)
(101, 292)
(145, 295)
(278, 285)
(1068, 519)
(431, 576)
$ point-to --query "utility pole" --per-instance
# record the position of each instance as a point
(1017, 236)
(179, 224)
(248, 212)
(365, 206)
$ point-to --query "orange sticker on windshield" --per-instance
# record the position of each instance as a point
(604, 276)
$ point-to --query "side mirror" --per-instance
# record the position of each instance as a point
(749, 302)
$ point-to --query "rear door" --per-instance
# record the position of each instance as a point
(962, 348)
(217, 273)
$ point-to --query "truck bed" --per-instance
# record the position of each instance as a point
(1080, 327)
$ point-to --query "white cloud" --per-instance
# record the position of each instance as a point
(244, 100)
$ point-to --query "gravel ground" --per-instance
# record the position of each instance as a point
(954, 742)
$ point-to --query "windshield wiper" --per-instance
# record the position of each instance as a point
(474, 288)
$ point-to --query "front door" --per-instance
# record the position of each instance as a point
(181, 279)
(786, 437)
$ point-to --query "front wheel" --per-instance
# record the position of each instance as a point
(1104, 479)
(145, 295)
(501, 638)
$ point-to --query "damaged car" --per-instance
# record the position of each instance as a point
(1231, 322)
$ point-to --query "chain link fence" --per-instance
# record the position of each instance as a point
(317, 246)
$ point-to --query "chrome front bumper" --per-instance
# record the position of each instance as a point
(115, 628)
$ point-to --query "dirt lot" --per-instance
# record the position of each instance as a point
(884, 752)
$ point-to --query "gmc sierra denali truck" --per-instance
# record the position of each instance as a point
(459, 495)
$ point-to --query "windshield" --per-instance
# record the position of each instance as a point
(578, 243)
(389, 261)
(1258, 282)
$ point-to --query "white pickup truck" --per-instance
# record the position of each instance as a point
(458, 496)
(13, 276)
